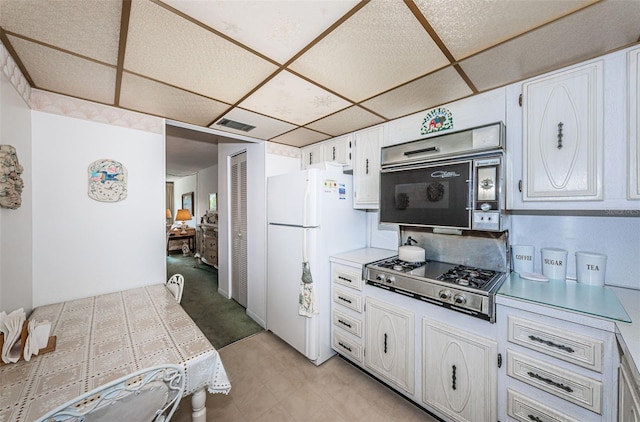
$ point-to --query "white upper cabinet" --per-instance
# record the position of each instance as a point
(562, 136)
(366, 170)
(336, 150)
(633, 59)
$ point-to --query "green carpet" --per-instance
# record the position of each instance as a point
(223, 321)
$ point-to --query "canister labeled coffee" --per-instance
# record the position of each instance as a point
(522, 257)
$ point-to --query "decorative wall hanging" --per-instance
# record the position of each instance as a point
(107, 181)
(11, 183)
(436, 120)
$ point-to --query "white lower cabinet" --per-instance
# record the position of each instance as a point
(390, 343)
(459, 376)
(557, 366)
(628, 394)
(346, 311)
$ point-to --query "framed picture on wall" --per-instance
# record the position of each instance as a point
(213, 201)
(187, 202)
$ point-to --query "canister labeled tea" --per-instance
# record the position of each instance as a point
(590, 268)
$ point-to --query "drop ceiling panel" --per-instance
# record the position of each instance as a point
(578, 37)
(155, 98)
(88, 28)
(469, 26)
(300, 137)
(55, 71)
(171, 49)
(292, 99)
(266, 127)
(438, 88)
(277, 29)
(381, 46)
(345, 121)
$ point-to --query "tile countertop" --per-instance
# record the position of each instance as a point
(616, 304)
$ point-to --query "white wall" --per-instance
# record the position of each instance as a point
(181, 186)
(16, 261)
(82, 247)
(207, 183)
(256, 226)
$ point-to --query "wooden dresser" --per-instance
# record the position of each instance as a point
(209, 244)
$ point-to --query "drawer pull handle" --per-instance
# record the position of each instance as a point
(345, 279)
(550, 382)
(344, 346)
(344, 323)
(344, 299)
(552, 344)
(453, 377)
(535, 418)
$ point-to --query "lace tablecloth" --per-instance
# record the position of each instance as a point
(102, 338)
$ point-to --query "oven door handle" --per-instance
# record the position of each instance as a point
(418, 151)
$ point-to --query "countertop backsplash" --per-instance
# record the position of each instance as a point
(617, 237)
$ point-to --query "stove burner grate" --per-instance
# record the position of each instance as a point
(468, 276)
(400, 265)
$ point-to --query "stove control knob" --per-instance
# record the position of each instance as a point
(391, 280)
(380, 277)
(460, 299)
(444, 294)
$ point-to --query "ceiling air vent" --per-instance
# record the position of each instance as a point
(235, 125)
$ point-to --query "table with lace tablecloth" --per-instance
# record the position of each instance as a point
(102, 338)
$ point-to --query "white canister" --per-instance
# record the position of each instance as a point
(522, 258)
(590, 268)
(554, 263)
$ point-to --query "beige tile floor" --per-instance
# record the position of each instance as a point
(273, 382)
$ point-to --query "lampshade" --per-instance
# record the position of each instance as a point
(183, 215)
(168, 213)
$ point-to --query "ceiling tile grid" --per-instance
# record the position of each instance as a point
(304, 71)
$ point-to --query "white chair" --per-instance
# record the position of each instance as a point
(152, 394)
(175, 284)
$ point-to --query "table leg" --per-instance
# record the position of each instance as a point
(198, 404)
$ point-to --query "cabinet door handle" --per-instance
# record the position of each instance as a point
(345, 346)
(560, 124)
(348, 280)
(550, 382)
(344, 299)
(385, 343)
(453, 377)
(366, 166)
(334, 153)
(346, 324)
(552, 344)
(310, 158)
(535, 418)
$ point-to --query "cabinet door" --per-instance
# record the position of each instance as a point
(338, 150)
(366, 172)
(633, 59)
(313, 154)
(459, 373)
(389, 350)
(562, 136)
(628, 399)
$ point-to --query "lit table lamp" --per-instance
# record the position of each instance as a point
(168, 214)
(183, 215)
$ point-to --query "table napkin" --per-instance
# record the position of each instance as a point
(11, 326)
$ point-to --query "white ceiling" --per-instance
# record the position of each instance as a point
(301, 71)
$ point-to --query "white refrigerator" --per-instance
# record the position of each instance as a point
(310, 217)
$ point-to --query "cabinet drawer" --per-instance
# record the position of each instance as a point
(347, 347)
(347, 323)
(350, 300)
(524, 409)
(578, 389)
(556, 342)
(347, 277)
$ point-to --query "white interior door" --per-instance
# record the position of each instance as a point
(239, 228)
